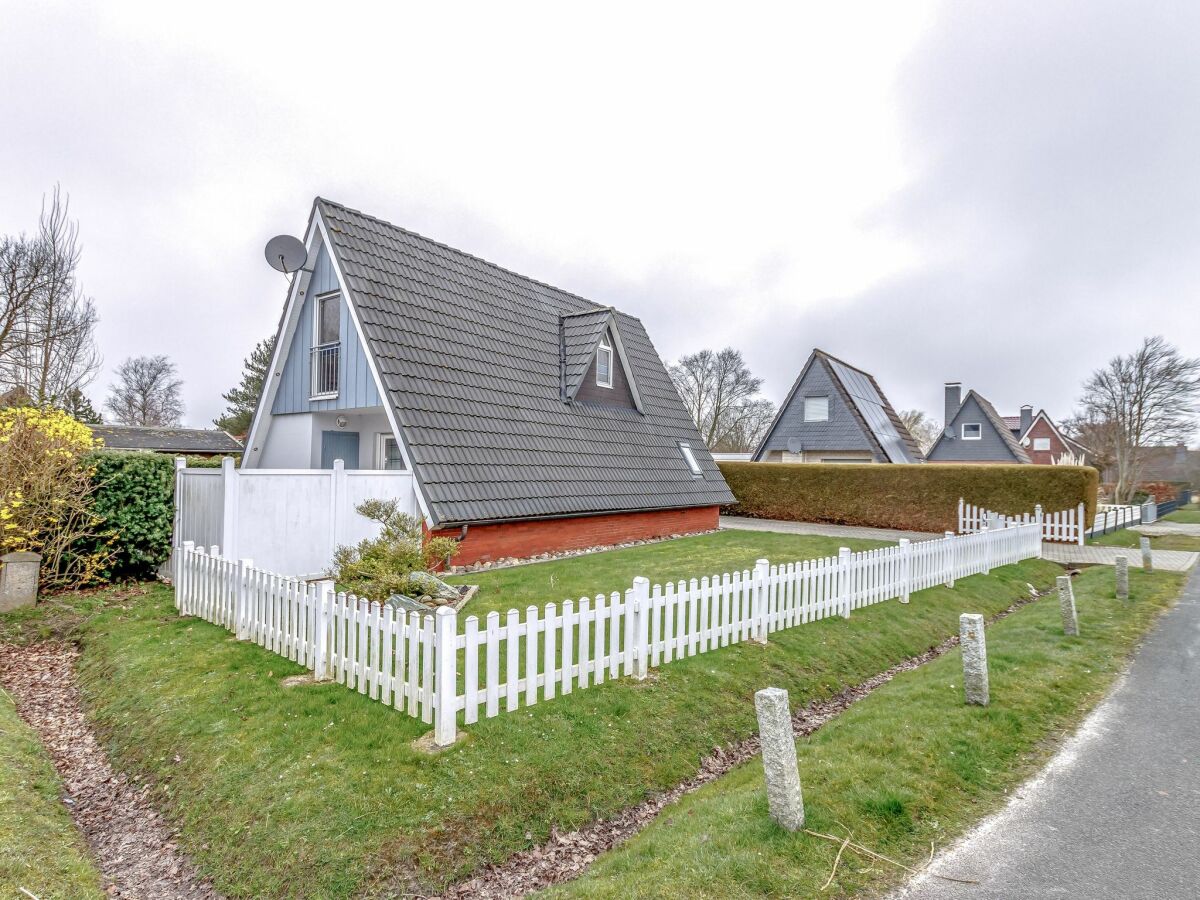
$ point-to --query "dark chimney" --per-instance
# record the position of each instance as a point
(953, 401)
(1026, 418)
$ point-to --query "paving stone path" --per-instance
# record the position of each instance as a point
(1164, 560)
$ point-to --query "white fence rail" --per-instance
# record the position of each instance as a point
(289, 520)
(1113, 517)
(425, 665)
(1066, 526)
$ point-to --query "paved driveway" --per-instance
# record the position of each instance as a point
(1167, 560)
(1117, 812)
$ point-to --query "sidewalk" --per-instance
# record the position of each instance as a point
(1164, 560)
(1116, 814)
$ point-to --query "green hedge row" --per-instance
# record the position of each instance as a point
(135, 498)
(909, 497)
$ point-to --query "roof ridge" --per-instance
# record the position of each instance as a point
(480, 259)
(836, 359)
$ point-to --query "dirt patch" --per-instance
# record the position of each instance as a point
(568, 855)
(133, 846)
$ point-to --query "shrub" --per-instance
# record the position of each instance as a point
(911, 497)
(46, 494)
(134, 497)
(395, 561)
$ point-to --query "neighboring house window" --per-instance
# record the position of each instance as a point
(972, 431)
(690, 458)
(604, 364)
(389, 453)
(1041, 443)
(327, 335)
(816, 409)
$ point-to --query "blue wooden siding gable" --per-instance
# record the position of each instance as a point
(356, 384)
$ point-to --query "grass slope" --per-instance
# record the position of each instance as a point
(316, 792)
(907, 766)
(40, 850)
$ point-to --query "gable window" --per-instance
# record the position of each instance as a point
(389, 454)
(816, 409)
(604, 364)
(972, 431)
(1041, 443)
(690, 458)
(326, 351)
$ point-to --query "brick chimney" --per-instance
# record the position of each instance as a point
(1026, 418)
(953, 401)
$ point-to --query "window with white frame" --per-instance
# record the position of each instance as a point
(1041, 443)
(604, 363)
(326, 350)
(816, 409)
(972, 431)
(690, 458)
(389, 454)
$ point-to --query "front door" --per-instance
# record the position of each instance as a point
(341, 445)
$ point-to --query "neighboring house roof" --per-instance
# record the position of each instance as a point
(1169, 463)
(1014, 424)
(997, 423)
(886, 433)
(476, 361)
(165, 440)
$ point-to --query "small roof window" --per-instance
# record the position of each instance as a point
(604, 363)
(690, 458)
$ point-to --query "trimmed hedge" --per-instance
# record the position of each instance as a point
(921, 497)
(135, 496)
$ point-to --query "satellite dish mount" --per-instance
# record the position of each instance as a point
(286, 254)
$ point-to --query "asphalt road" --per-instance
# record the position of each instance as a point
(1117, 812)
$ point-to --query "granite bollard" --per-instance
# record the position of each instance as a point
(1066, 602)
(19, 579)
(784, 798)
(1147, 556)
(1122, 577)
(974, 656)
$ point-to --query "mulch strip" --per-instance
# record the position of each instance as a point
(133, 846)
(566, 856)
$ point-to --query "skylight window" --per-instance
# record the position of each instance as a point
(690, 458)
(604, 364)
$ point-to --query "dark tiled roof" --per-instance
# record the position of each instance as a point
(471, 359)
(874, 411)
(165, 440)
(580, 336)
(1001, 428)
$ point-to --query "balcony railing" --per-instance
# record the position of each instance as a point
(325, 369)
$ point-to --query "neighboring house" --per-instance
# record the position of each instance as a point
(974, 432)
(1043, 441)
(180, 441)
(531, 419)
(1171, 463)
(836, 413)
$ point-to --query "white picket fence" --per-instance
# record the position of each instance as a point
(1066, 526)
(423, 664)
(1114, 517)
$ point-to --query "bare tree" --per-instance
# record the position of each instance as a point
(147, 392)
(1144, 399)
(924, 430)
(723, 397)
(47, 324)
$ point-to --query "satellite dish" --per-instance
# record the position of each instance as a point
(948, 432)
(286, 253)
(795, 445)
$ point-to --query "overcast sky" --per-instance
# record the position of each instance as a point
(1005, 194)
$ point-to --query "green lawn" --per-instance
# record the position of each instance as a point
(316, 792)
(40, 850)
(907, 766)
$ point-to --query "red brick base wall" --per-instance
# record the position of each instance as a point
(523, 539)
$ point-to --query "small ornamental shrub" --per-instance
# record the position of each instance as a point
(46, 494)
(134, 497)
(397, 561)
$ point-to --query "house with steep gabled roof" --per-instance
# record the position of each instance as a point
(974, 432)
(531, 419)
(836, 413)
(1043, 440)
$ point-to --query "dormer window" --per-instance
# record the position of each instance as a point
(604, 364)
(327, 336)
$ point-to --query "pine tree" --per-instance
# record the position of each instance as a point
(77, 405)
(244, 398)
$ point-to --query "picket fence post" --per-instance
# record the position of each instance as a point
(641, 606)
(762, 571)
(987, 550)
(961, 522)
(337, 502)
(1039, 517)
(844, 562)
(183, 580)
(229, 508)
(1082, 508)
(905, 569)
(445, 674)
(321, 611)
(241, 606)
(176, 530)
(950, 561)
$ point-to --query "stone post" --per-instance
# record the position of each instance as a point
(1122, 577)
(1066, 603)
(974, 656)
(19, 579)
(1147, 556)
(784, 799)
